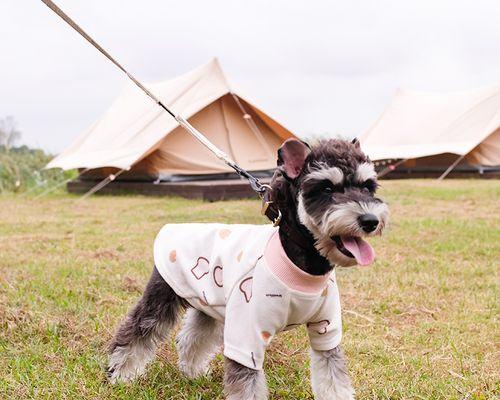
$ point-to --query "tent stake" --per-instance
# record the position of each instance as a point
(450, 168)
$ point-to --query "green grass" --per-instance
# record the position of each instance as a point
(420, 323)
(22, 170)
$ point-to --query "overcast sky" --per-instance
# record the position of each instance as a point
(317, 67)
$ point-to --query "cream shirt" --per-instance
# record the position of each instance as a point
(240, 275)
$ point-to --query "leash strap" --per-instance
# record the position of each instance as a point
(269, 208)
(255, 184)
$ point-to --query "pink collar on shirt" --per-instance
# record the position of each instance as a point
(288, 273)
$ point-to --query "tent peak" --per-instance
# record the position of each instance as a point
(133, 127)
(211, 69)
(217, 66)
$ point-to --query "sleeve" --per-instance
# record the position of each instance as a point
(252, 319)
(325, 328)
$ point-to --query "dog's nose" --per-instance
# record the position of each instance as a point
(368, 222)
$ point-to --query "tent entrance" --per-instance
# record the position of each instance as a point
(179, 155)
(434, 167)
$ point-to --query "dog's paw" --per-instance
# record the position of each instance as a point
(345, 393)
(247, 396)
(244, 395)
(339, 393)
(192, 370)
(124, 366)
(120, 375)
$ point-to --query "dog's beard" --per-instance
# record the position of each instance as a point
(338, 233)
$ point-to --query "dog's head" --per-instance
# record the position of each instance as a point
(330, 189)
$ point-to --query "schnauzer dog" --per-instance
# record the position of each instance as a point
(242, 284)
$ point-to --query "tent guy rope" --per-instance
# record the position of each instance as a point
(101, 184)
(58, 185)
(252, 125)
(451, 167)
(256, 185)
(391, 167)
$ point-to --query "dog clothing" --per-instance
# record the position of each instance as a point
(240, 275)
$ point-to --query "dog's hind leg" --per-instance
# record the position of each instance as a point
(329, 377)
(146, 325)
(199, 339)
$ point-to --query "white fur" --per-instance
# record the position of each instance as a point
(305, 219)
(129, 362)
(328, 380)
(365, 171)
(324, 244)
(343, 219)
(333, 174)
(197, 343)
(254, 388)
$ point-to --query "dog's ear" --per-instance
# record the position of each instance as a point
(356, 143)
(291, 157)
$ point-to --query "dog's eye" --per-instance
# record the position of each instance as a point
(327, 187)
(370, 184)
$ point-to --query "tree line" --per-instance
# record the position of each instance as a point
(22, 167)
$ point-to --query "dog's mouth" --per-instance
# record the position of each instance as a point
(355, 247)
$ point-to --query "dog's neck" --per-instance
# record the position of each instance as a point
(297, 241)
(307, 259)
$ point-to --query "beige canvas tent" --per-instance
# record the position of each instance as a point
(436, 130)
(135, 135)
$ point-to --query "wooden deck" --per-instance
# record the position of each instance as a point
(436, 174)
(212, 190)
(226, 189)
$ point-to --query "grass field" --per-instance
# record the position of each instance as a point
(419, 324)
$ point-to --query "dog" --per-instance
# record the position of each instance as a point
(243, 284)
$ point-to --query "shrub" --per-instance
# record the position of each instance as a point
(21, 169)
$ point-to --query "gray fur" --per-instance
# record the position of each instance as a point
(243, 383)
(146, 325)
(329, 377)
(334, 175)
(198, 341)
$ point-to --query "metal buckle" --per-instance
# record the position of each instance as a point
(277, 220)
(265, 205)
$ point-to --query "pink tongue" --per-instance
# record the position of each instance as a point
(361, 250)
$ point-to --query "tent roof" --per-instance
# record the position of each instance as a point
(134, 125)
(420, 124)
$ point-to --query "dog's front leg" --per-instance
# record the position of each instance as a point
(243, 383)
(329, 377)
